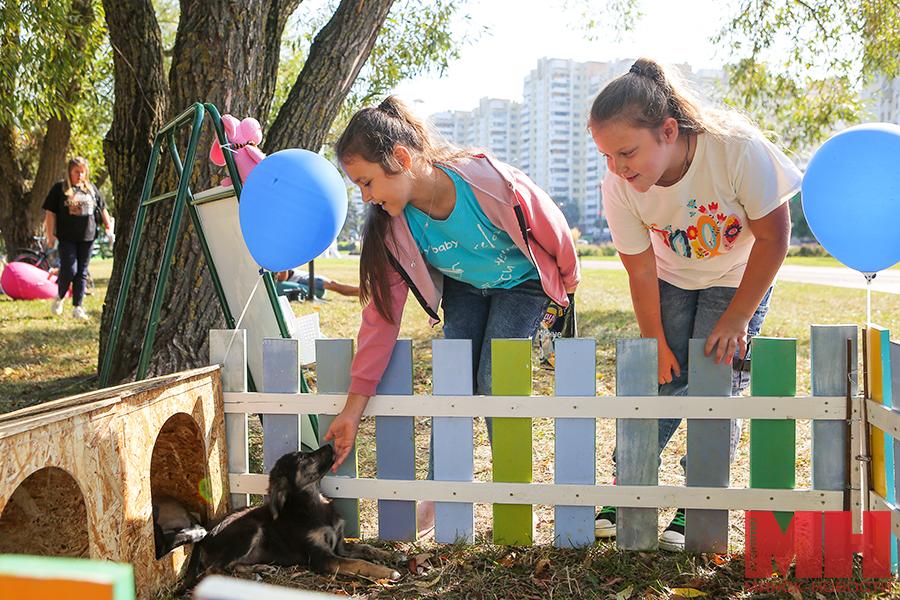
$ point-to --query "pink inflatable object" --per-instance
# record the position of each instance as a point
(21, 281)
(243, 137)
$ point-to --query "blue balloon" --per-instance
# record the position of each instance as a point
(851, 196)
(293, 205)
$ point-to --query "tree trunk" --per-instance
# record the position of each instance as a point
(139, 111)
(226, 53)
(335, 59)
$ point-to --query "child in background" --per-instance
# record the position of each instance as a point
(696, 200)
(462, 230)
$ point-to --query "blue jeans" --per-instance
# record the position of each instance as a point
(73, 265)
(484, 315)
(693, 314)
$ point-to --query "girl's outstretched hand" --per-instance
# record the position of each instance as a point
(728, 337)
(668, 364)
(344, 428)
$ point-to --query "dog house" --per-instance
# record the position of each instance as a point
(78, 475)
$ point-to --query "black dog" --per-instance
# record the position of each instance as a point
(298, 526)
(173, 526)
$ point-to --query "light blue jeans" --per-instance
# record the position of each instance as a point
(484, 315)
(693, 314)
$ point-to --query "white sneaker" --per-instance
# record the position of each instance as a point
(57, 305)
(78, 313)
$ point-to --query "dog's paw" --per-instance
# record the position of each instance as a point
(394, 576)
(399, 559)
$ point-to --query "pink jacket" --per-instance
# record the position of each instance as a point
(513, 203)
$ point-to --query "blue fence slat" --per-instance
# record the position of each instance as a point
(333, 358)
(281, 374)
(708, 445)
(454, 449)
(575, 443)
(395, 447)
(637, 442)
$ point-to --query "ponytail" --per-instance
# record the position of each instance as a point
(650, 93)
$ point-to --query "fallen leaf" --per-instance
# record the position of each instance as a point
(428, 584)
(612, 582)
(626, 593)
(541, 566)
(795, 592)
(688, 592)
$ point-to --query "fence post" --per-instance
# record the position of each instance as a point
(333, 358)
(511, 449)
(637, 442)
(773, 372)
(395, 448)
(708, 451)
(895, 405)
(575, 443)
(454, 448)
(234, 379)
(281, 374)
(828, 374)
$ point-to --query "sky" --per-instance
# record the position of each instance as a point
(523, 31)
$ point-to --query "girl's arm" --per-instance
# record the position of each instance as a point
(50, 224)
(644, 283)
(345, 426)
(773, 234)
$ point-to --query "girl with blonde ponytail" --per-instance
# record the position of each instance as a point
(696, 200)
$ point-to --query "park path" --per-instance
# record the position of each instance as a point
(887, 281)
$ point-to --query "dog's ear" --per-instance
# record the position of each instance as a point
(279, 490)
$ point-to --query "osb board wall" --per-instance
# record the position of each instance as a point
(105, 441)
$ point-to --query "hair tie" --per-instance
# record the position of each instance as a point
(636, 70)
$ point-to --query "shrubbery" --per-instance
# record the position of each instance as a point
(807, 250)
(596, 250)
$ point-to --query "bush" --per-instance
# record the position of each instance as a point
(596, 250)
(807, 250)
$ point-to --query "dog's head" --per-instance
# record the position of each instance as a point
(296, 473)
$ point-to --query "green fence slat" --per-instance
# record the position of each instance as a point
(773, 372)
(511, 376)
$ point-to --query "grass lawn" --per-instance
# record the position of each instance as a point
(44, 357)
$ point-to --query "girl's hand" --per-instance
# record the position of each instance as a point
(668, 364)
(343, 431)
(344, 428)
(728, 337)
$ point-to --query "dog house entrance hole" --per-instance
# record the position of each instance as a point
(46, 516)
(178, 465)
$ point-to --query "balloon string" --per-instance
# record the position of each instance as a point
(237, 325)
(869, 277)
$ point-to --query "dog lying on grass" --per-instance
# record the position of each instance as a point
(298, 526)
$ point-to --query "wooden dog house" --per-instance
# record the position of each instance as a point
(78, 475)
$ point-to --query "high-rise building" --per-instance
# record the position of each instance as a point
(547, 135)
(493, 125)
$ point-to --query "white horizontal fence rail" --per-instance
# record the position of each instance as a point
(593, 407)
(574, 495)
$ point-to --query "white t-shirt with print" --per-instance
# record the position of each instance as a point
(698, 226)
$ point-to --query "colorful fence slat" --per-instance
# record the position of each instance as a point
(511, 445)
(637, 442)
(830, 375)
(395, 447)
(281, 374)
(773, 372)
(575, 447)
(229, 348)
(881, 450)
(708, 446)
(454, 446)
(333, 358)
